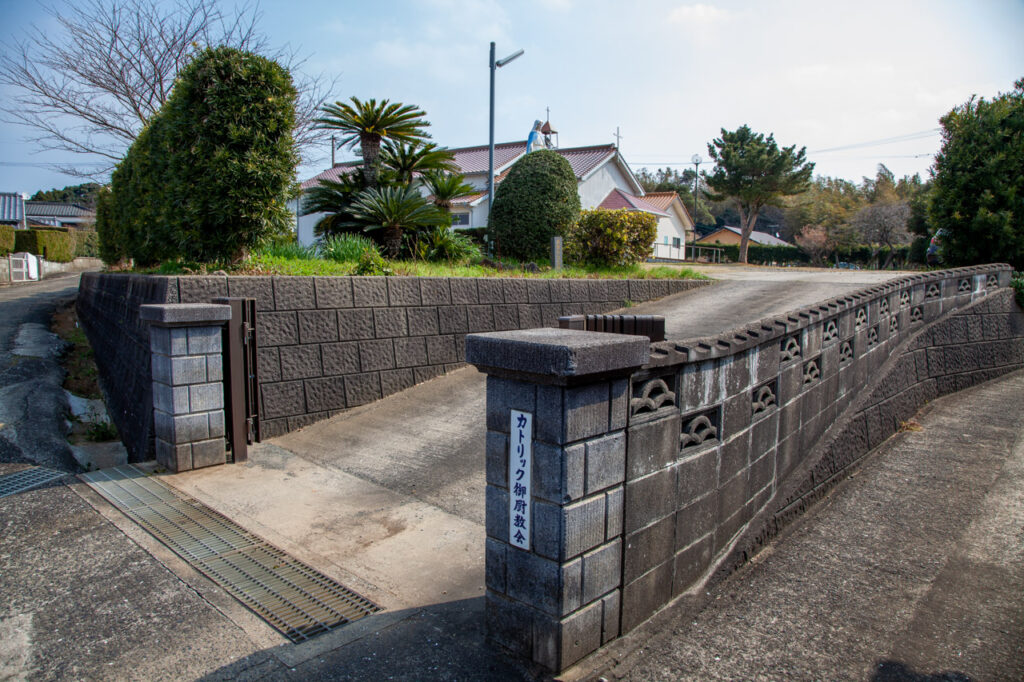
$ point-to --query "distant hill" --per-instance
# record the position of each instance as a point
(84, 195)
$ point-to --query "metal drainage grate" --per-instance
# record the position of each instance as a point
(297, 600)
(26, 479)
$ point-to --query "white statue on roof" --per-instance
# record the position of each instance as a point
(536, 139)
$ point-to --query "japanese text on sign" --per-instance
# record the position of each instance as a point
(520, 454)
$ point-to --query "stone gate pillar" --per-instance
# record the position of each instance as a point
(188, 382)
(557, 405)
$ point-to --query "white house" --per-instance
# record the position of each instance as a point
(605, 180)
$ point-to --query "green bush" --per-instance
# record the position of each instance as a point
(443, 244)
(371, 263)
(537, 201)
(345, 247)
(207, 178)
(54, 245)
(1018, 286)
(6, 239)
(619, 237)
(762, 254)
(87, 243)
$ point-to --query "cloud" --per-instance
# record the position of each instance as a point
(705, 14)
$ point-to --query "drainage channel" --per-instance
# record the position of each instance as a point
(295, 599)
(26, 479)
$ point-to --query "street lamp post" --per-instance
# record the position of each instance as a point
(696, 161)
(490, 151)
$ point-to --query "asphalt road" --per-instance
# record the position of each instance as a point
(32, 401)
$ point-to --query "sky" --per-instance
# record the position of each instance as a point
(842, 79)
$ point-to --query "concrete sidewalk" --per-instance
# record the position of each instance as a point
(911, 568)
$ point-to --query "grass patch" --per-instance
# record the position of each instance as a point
(82, 376)
(1018, 286)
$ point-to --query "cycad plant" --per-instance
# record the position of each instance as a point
(394, 210)
(368, 123)
(405, 160)
(335, 199)
(446, 187)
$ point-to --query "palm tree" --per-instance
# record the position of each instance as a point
(447, 187)
(367, 123)
(408, 159)
(394, 210)
(334, 197)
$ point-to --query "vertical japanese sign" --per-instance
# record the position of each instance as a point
(520, 456)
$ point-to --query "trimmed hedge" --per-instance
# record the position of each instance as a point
(762, 254)
(87, 243)
(608, 238)
(6, 239)
(55, 245)
(207, 178)
(538, 200)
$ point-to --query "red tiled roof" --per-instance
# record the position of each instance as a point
(585, 159)
(617, 199)
(474, 159)
(333, 174)
(661, 199)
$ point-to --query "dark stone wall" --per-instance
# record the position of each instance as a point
(328, 344)
(731, 437)
(108, 311)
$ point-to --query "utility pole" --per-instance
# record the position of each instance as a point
(495, 65)
(696, 161)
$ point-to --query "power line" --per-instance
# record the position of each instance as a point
(920, 135)
(29, 164)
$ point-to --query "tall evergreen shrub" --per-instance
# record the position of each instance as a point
(6, 239)
(537, 201)
(208, 177)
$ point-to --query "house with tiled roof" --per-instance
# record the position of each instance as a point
(12, 209)
(604, 177)
(58, 214)
(728, 235)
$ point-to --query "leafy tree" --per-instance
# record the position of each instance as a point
(755, 172)
(90, 86)
(671, 180)
(368, 123)
(207, 178)
(84, 195)
(535, 202)
(979, 181)
(393, 211)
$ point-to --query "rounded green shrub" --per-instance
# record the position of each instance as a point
(537, 201)
(609, 238)
(207, 178)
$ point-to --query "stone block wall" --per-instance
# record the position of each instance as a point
(730, 437)
(328, 344)
(108, 311)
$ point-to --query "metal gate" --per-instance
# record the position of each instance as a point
(241, 378)
(23, 267)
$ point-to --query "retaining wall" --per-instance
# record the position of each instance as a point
(645, 488)
(327, 344)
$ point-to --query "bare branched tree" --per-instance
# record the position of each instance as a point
(883, 224)
(90, 87)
